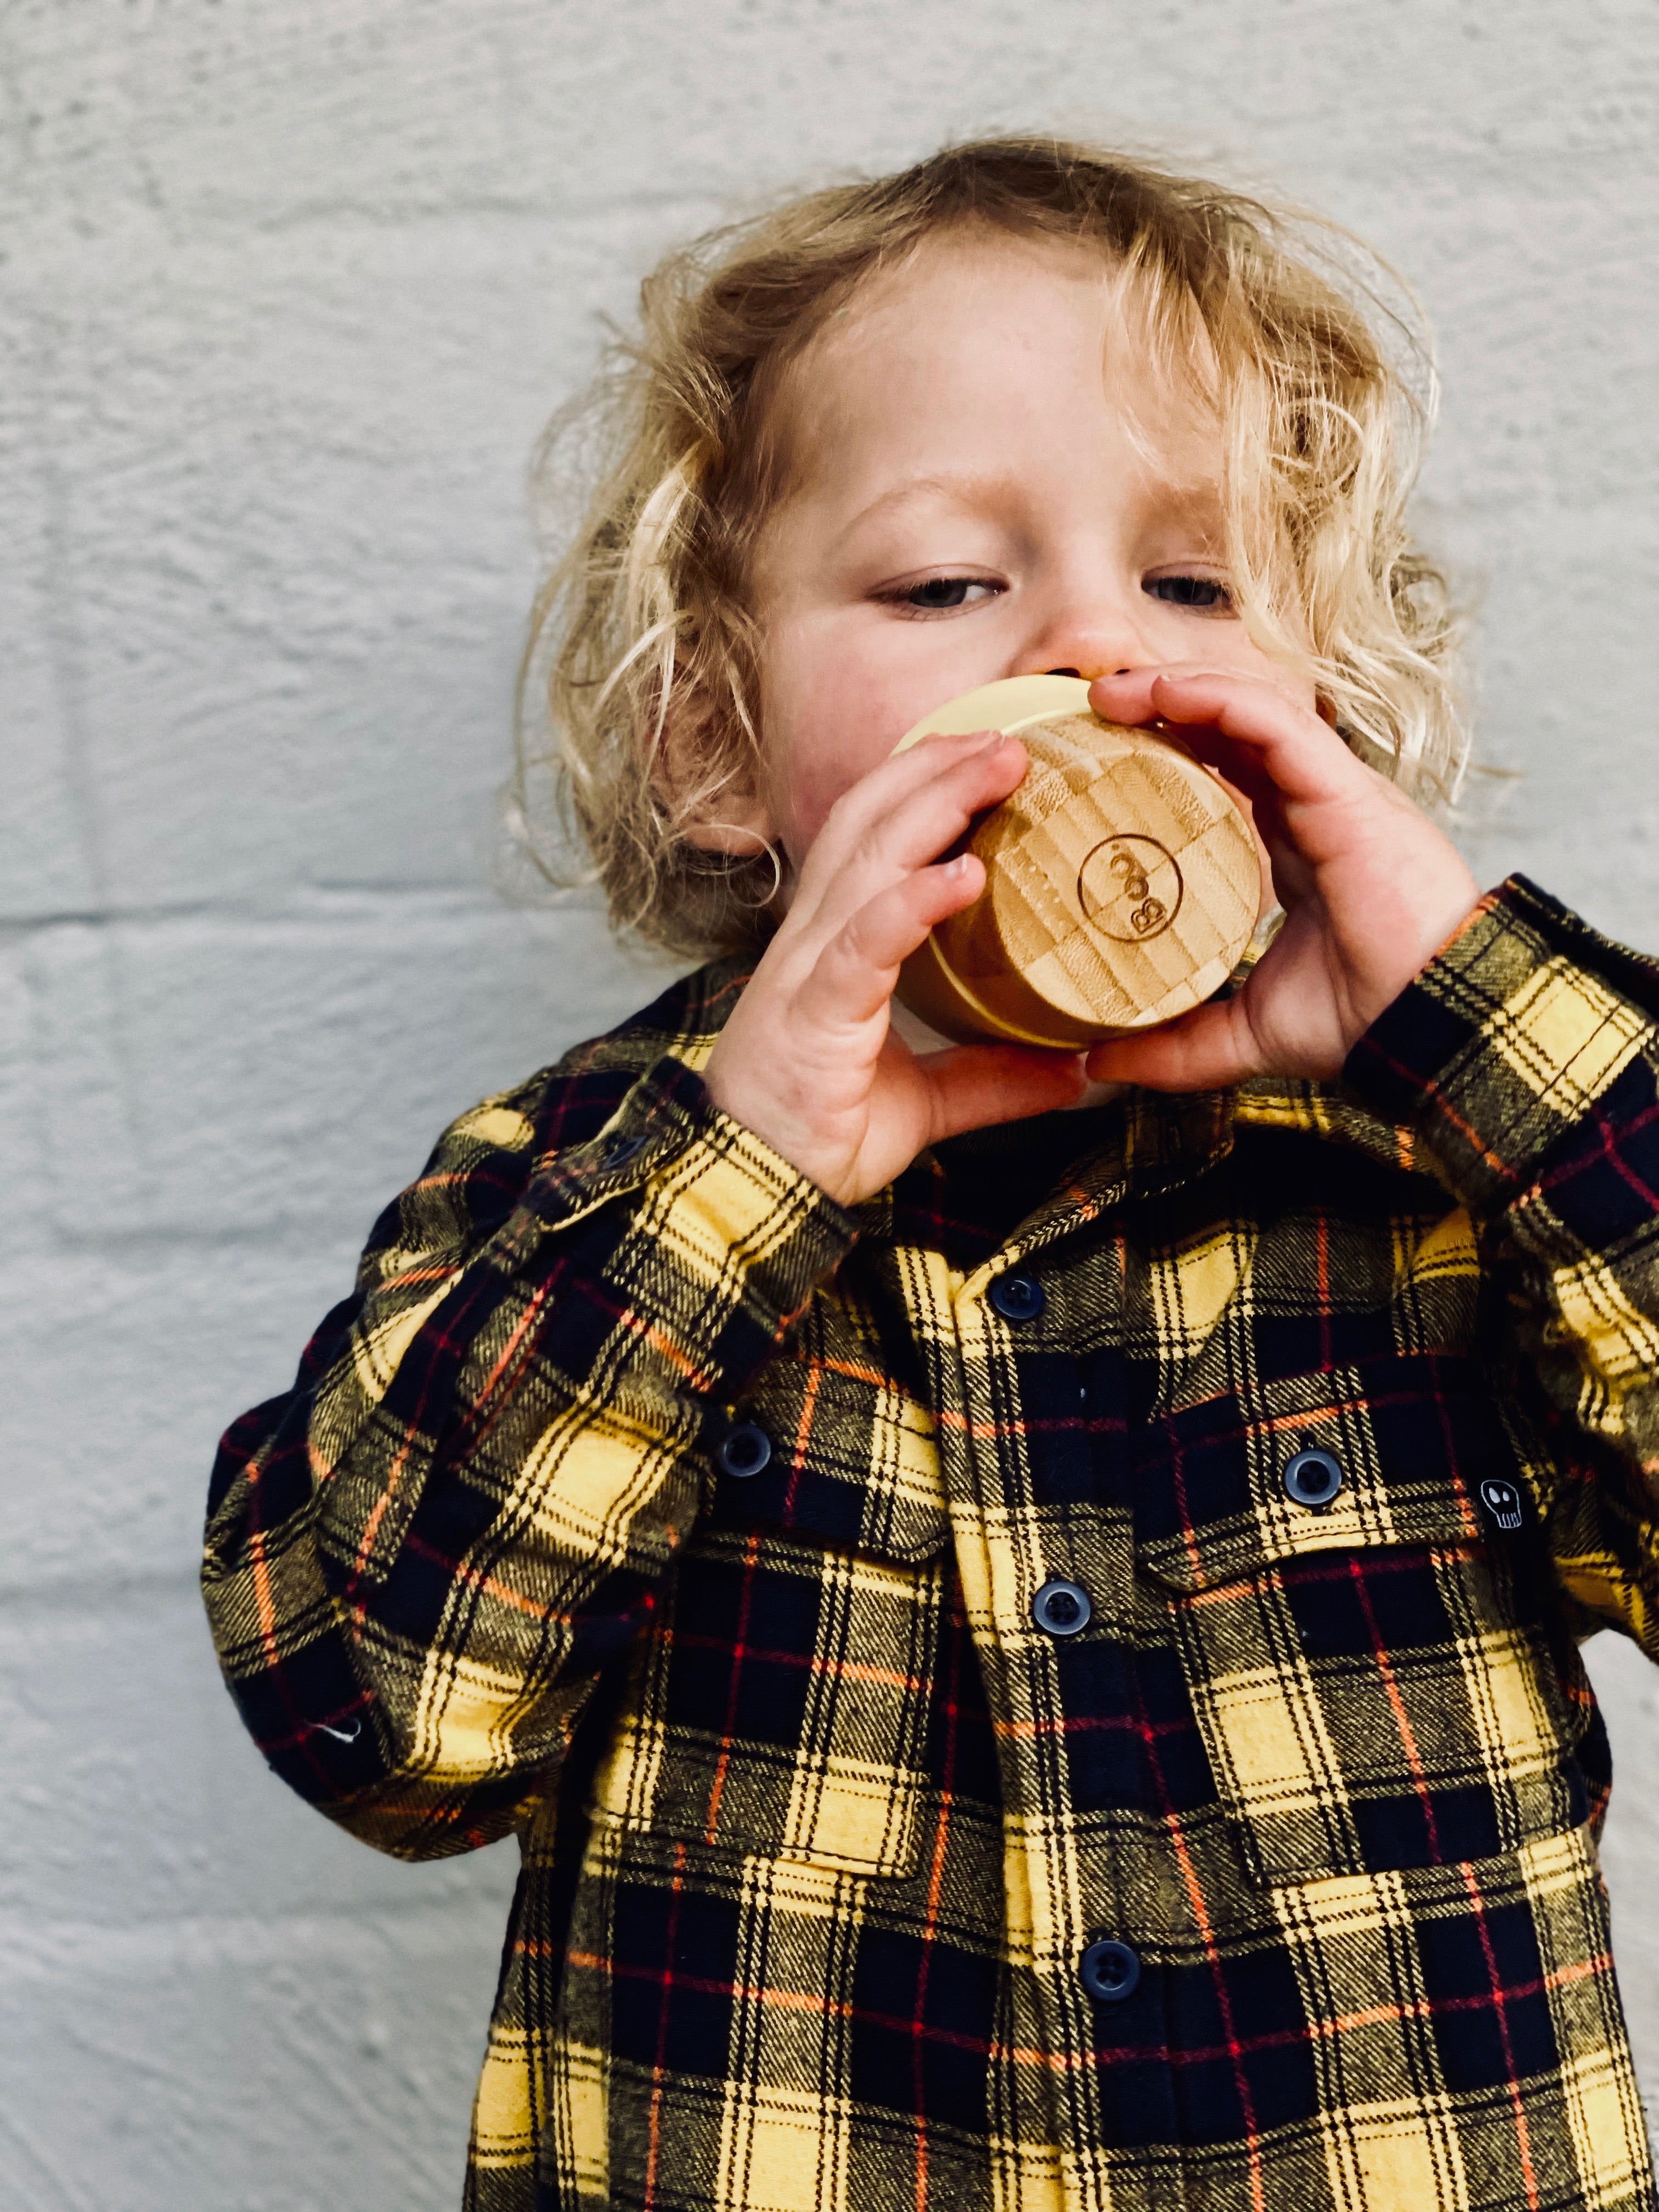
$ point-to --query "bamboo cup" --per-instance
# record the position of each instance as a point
(1122, 883)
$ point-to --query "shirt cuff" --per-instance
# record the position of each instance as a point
(1507, 1041)
(724, 1241)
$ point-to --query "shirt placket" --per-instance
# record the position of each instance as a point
(1039, 1513)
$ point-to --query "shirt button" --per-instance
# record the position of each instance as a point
(1017, 1298)
(1109, 1971)
(1503, 1501)
(620, 1147)
(747, 1449)
(1312, 1478)
(1061, 1608)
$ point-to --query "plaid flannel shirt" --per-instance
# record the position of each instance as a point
(1096, 1723)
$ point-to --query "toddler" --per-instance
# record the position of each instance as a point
(1023, 1611)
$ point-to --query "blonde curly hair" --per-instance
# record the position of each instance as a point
(1307, 352)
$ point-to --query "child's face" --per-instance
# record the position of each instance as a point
(984, 481)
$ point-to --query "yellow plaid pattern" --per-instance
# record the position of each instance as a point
(961, 1756)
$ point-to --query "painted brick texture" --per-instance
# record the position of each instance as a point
(286, 291)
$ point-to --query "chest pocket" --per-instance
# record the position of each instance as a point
(1351, 1580)
(780, 1705)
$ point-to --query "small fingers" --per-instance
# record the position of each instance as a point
(972, 1086)
(894, 782)
(903, 814)
(1287, 751)
(1211, 1049)
(853, 976)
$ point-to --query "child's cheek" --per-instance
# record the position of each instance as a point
(820, 746)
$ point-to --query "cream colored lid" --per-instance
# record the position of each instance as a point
(1007, 706)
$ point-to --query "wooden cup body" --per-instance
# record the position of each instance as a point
(1122, 885)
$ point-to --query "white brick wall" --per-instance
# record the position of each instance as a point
(288, 286)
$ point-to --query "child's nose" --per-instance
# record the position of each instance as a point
(1098, 638)
(1117, 654)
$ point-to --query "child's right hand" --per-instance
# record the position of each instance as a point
(809, 1060)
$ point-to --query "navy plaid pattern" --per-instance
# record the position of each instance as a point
(819, 1816)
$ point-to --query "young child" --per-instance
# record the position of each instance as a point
(1034, 1667)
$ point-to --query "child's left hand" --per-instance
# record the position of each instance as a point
(1371, 889)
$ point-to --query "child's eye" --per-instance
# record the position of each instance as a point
(941, 595)
(1204, 594)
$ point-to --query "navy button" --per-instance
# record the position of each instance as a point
(1312, 1478)
(619, 1147)
(1017, 1298)
(747, 1450)
(1110, 1970)
(1061, 1608)
(1503, 1501)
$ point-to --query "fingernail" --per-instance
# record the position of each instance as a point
(992, 739)
(959, 866)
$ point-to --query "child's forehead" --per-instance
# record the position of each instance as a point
(973, 315)
(978, 260)
(962, 289)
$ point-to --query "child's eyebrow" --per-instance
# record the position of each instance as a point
(967, 491)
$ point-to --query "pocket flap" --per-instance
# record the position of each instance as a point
(851, 1460)
(1415, 1436)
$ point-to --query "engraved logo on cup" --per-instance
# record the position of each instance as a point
(1129, 888)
